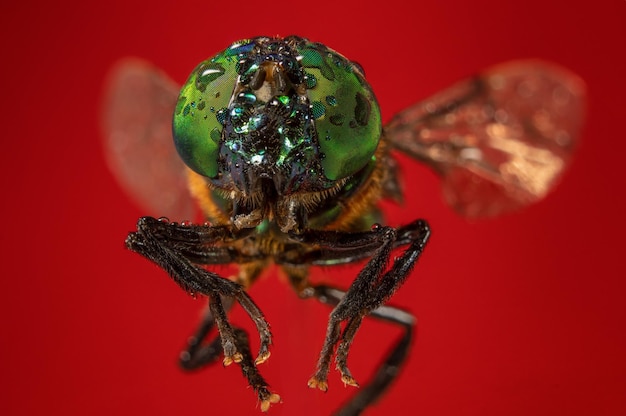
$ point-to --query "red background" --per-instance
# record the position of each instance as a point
(520, 315)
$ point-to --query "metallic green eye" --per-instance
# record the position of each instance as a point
(347, 117)
(286, 109)
(201, 108)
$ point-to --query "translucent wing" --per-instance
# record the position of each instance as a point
(137, 123)
(499, 141)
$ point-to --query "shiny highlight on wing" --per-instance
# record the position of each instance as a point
(499, 141)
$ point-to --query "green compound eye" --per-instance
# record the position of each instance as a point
(201, 108)
(347, 116)
(288, 109)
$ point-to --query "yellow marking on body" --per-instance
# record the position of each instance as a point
(201, 191)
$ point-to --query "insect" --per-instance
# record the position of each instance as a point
(286, 155)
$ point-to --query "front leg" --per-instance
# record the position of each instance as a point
(387, 370)
(179, 249)
(199, 354)
(374, 285)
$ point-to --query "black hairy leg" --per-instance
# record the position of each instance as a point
(199, 354)
(180, 250)
(388, 369)
(374, 285)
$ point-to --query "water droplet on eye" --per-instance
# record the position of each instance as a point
(208, 73)
(237, 111)
(247, 97)
(376, 226)
(331, 100)
(310, 81)
(164, 220)
(221, 115)
(186, 223)
(317, 109)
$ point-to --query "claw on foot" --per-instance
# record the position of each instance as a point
(235, 358)
(349, 381)
(314, 382)
(272, 399)
(262, 358)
